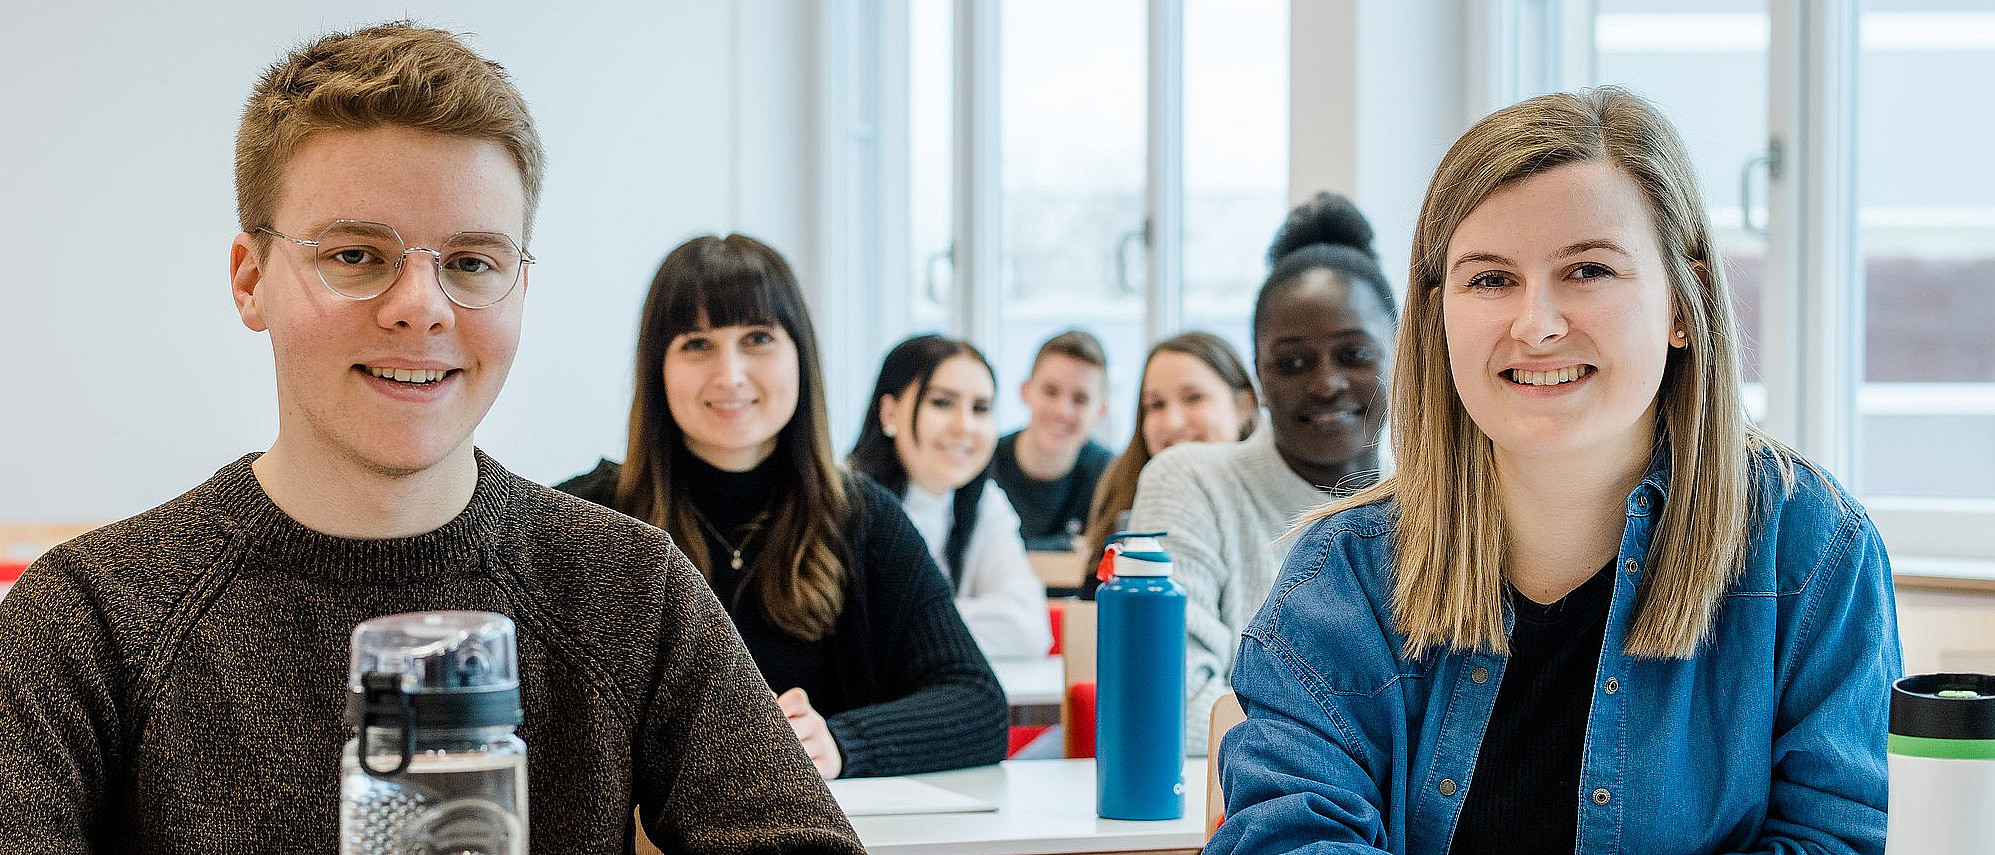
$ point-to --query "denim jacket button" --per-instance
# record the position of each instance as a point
(1613, 685)
(1601, 796)
(1642, 503)
(1631, 565)
(1448, 787)
(1480, 675)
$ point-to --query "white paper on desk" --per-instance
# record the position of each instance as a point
(881, 796)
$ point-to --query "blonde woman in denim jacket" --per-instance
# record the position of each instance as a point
(1593, 609)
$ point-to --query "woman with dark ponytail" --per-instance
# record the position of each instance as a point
(928, 437)
(1324, 326)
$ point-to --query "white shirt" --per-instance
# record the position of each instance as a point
(1000, 598)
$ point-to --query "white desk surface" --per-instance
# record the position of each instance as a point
(1044, 807)
(1030, 682)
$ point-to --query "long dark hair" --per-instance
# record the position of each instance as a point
(908, 368)
(737, 280)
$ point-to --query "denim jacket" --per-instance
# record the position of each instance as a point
(1770, 739)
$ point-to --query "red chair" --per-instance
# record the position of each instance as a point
(1077, 713)
(1080, 720)
(1055, 610)
(10, 572)
(1023, 734)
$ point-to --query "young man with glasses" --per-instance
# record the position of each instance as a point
(175, 682)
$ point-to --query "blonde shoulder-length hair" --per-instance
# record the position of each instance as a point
(1448, 556)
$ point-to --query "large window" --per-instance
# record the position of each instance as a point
(931, 95)
(1883, 257)
(1855, 205)
(1706, 65)
(1076, 149)
(1926, 213)
(1236, 157)
(1841, 145)
(1072, 88)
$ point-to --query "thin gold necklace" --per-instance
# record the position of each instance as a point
(753, 525)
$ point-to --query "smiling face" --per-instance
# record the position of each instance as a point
(396, 384)
(1557, 309)
(1184, 400)
(731, 390)
(945, 439)
(1323, 352)
(1065, 397)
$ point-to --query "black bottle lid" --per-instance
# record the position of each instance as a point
(1944, 706)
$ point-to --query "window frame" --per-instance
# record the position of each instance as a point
(1811, 333)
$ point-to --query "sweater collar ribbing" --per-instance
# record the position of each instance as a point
(277, 543)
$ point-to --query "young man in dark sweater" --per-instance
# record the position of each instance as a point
(1048, 468)
(175, 682)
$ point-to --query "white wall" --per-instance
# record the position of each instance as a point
(125, 376)
(1376, 96)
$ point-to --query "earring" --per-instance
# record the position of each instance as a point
(1681, 335)
(889, 431)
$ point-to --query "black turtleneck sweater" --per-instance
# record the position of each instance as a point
(732, 502)
(176, 682)
(899, 680)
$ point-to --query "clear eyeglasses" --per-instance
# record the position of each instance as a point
(360, 260)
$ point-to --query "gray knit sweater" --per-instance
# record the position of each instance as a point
(174, 683)
(1225, 504)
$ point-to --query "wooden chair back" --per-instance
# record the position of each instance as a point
(1077, 667)
(1226, 712)
(22, 543)
(1060, 570)
(644, 844)
(1077, 640)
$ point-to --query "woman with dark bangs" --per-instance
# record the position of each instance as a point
(828, 583)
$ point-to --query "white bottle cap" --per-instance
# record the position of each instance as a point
(1139, 554)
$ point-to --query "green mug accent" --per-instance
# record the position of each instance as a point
(1942, 749)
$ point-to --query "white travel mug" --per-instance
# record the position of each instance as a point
(1942, 754)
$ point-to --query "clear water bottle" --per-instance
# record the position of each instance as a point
(434, 767)
(1140, 684)
(1942, 755)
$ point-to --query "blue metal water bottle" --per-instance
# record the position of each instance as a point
(1140, 676)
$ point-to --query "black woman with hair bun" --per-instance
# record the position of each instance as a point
(1324, 325)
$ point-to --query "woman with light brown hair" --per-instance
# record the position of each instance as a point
(1195, 389)
(1593, 607)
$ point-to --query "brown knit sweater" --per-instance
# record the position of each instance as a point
(174, 683)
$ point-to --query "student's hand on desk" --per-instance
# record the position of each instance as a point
(812, 732)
